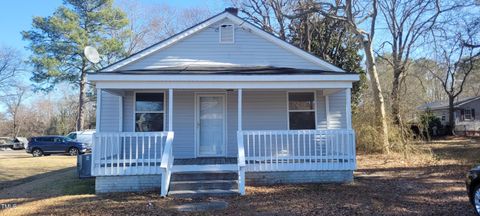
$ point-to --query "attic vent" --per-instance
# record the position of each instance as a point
(227, 33)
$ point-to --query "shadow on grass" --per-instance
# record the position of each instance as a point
(428, 190)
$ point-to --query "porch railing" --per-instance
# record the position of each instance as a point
(297, 150)
(130, 153)
(167, 164)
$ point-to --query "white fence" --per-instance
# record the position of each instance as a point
(297, 150)
(129, 153)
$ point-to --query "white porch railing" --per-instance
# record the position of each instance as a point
(131, 153)
(297, 150)
(167, 164)
(241, 163)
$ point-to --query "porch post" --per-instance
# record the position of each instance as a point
(98, 109)
(327, 111)
(241, 149)
(170, 109)
(348, 111)
(239, 111)
(120, 113)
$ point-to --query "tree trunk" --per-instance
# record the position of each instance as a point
(395, 97)
(81, 101)
(377, 96)
(451, 117)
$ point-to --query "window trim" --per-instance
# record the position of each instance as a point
(314, 107)
(220, 34)
(135, 108)
(465, 115)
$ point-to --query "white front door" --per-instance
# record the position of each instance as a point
(210, 123)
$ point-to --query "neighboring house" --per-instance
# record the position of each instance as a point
(467, 121)
(216, 106)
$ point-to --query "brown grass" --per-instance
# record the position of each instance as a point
(430, 182)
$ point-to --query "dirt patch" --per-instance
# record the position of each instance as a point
(421, 184)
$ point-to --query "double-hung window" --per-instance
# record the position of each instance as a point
(149, 112)
(467, 115)
(301, 110)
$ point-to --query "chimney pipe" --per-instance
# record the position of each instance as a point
(232, 10)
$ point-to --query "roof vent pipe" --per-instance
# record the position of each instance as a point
(232, 10)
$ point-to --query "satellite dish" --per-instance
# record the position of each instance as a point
(92, 54)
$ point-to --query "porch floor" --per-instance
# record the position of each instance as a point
(205, 161)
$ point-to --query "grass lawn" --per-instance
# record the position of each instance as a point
(393, 185)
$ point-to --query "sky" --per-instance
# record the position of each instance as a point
(17, 15)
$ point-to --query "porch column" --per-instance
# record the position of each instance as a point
(120, 113)
(170, 109)
(98, 109)
(327, 111)
(239, 111)
(348, 111)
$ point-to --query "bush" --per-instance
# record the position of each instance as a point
(431, 125)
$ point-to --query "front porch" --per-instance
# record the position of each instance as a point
(263, 128)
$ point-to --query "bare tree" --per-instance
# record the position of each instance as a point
(455, 63)
(10, 62)
(407, 22)
(13, 102)
(153, 22)
(352, 15)
(268, 14)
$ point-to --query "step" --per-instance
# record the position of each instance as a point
(206, 168)
(202, 176)
(203, 193)
(204, 185)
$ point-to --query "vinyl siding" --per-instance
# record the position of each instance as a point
(262, 110)
(321, 111)
(203, 48)
(109, 114)
(337, 109)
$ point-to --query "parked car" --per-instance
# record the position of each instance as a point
(13, 143)
(45, 145)
(473, 188)
(82, 136)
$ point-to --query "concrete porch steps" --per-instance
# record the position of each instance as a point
(202, 184)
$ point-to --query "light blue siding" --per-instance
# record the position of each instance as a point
(321, 111)
(109, 121)
(203, 48)
(262, 110)
(337, 110)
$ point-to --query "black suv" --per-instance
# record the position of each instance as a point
(473, 188)
(45, 145)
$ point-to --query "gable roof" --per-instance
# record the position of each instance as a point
(236, 20)
(438, 105)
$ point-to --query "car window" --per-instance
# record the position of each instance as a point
(72, 136)
(59, 139)
(44, 139)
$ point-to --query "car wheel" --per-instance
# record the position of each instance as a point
(37, 152)
(73, 151)
(476, 199)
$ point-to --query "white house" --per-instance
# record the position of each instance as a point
(217, 106)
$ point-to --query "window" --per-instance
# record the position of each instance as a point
(301, 110)
(467, 114)
(227, 33)
(149, 112)
(444, 116)
(72, 136)
(44, 139)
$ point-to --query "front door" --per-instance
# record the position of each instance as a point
(210, 112)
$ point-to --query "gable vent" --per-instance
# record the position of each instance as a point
(227, 33)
